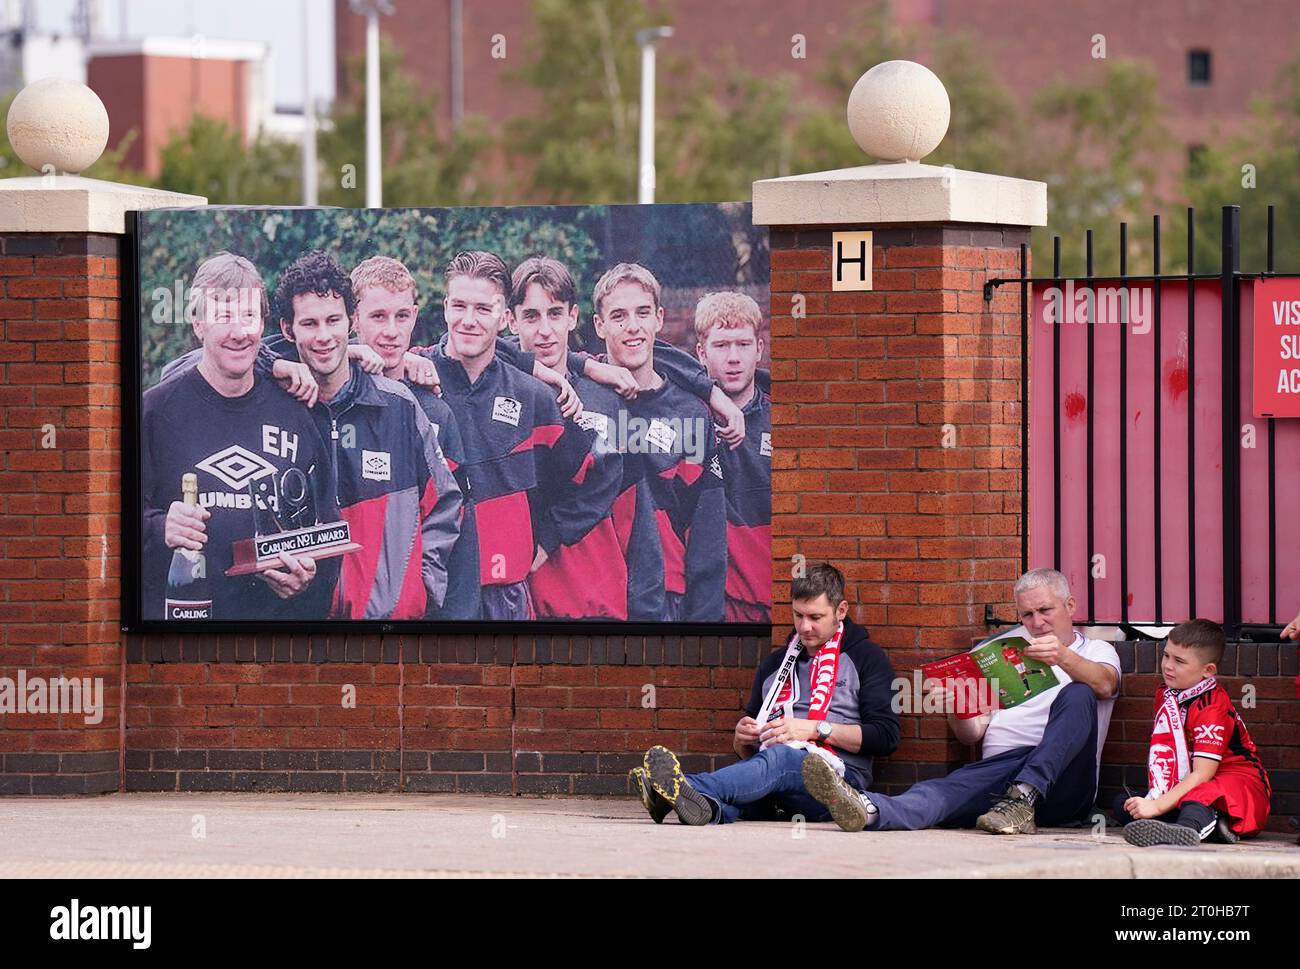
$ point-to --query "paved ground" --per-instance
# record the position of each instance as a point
(443, 835)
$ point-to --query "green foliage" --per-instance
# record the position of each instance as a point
(1101, 147)
(687, 248)
(1254, 169)
(584, 69)
(421, 166)
(210, 159)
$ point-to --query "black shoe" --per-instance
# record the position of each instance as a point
(1223, 829)
(1148, 832)
(846, 805)
(655, 806)
(666, 777)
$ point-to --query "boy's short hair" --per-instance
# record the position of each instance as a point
(312, 272)
(385, 272)
(480, 264)
(824, 578)
(729, 310)
(1201, 636)
(625, 272)
(222, 273)
(550, 274)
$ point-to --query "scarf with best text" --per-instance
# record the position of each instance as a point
(779, 701)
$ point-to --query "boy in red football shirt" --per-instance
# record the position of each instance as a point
(1204, 771)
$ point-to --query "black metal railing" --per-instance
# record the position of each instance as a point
(1229, 276)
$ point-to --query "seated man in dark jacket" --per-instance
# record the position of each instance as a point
(827, 695)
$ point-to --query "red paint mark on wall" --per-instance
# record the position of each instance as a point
(1075, 406)
(1130, 598)
(1175, 381)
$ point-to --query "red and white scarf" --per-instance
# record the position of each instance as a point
(822, 674)
(1168, 761)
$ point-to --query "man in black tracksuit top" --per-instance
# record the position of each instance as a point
(834, 712)
(615, 570)
(240, 434)
(525, 463)
(673, 432)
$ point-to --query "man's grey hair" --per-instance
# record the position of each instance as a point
(1038, 578)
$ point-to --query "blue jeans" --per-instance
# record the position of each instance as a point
(750, 789)
(1062, 768)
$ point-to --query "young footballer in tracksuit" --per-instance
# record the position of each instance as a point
(673, 432)
(394, 486)
(615, 570)
(243, 438)
(525, 463)
(727, 326)
(387, 310)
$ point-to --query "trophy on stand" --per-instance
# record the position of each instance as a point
(285, 520)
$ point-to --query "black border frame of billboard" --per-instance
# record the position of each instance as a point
(132, 551)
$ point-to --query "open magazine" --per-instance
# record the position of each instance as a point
(997, 672)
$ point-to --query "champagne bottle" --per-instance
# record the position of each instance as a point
(189, 593)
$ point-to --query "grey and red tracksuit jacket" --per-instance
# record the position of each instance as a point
(615, 570)
(526, 467)
(747, 473)
(687, 491)
(397, 494)
(747, 478)
(462, 600)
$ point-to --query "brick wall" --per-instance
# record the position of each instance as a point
(490, 714)
(59, 491)
(863, 384)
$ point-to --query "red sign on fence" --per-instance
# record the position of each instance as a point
(1277, 348)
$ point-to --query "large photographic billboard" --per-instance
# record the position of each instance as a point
(552, 414)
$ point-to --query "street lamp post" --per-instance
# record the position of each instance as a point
(309, 183)
(645, 193)
(371, 9)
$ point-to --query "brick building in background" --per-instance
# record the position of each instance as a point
(1207, 71)
(155, 86)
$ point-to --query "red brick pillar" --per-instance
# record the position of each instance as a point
(61, 653)
(896, 414)
(896, 426)
(60, 487)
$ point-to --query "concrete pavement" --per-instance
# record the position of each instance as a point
(214, 835)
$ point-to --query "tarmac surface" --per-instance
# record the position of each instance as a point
(214, 835)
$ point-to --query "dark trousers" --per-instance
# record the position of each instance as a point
(1062, 768)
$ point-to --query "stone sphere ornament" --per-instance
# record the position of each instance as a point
(57, 125)
(899, 111)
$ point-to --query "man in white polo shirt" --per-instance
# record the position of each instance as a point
(1040, 759)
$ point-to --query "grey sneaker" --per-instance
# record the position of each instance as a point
(655, 806)
(847, 806)
(1148, 832)
(1012, 814)
(666, 778)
